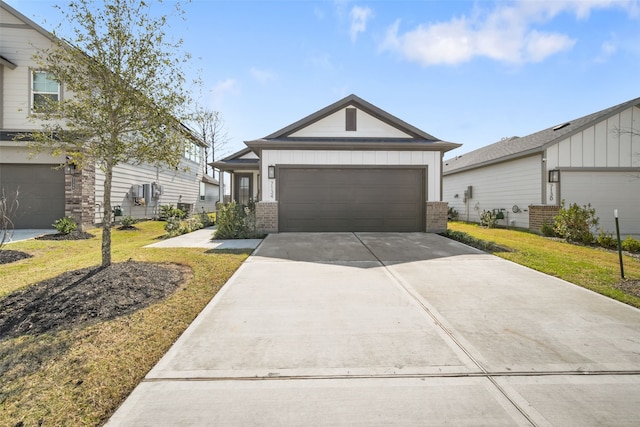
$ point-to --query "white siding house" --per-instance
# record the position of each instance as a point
(47, 189)
(348, 167)
(591, 160)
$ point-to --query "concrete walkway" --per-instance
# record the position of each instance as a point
(203, 239)
(374, 329)
(26, 234)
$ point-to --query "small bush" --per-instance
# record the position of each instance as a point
(65, 225)
(212, 217)
(606, 240)
(547, 229)
(168, 211)
(236, 222)
(576, 223)
(128, 221)
(452, 214)
(172, 226)
(631, 245)
(488, 219)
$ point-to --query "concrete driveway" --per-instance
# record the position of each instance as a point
(375, 329)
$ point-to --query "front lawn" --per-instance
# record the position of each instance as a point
(590, 267)
(78, 374)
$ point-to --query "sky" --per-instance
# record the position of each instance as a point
(470, 72)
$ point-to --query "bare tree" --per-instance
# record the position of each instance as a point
(209, 127)
(8, 209)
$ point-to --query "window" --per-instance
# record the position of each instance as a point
(202, 191)
(192, 151)
(351, 119)
(44, 89)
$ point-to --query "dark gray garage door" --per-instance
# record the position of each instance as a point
(351, 199)
(41, 193)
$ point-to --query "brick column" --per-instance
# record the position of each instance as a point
(539, 214)
(80, 196)
(437, 217)
(267, 217)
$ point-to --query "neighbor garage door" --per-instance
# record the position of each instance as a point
(351, 199)
(41, 193)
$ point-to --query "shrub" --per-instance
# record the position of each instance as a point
(488, 219)
(576, 223)
(547, 229)
(236, 222)
(631, 245)
(606, 240)
(452, 214)
(172, 226)
(168, 211)
(65, 225)
(230, 221)
(128, 221)
(212, 217)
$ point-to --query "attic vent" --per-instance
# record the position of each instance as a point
(351, 119)
(564, 125)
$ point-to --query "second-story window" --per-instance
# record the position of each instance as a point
(192, 151)
(44, 89)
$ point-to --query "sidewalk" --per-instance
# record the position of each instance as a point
(203, 239)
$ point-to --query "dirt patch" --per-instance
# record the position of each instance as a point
(7, 256)
(631, 287)
(81, 297)
(74, 235)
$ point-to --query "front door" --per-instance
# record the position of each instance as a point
(243, 189)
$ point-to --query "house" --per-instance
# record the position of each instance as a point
(48, 187)
(593, 160)
(348, 167)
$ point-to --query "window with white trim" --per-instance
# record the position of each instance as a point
(44, 89)
(192, 151)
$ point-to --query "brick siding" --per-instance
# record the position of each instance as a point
(80, 196)
(437, 217)
(267, 217)
(539, 214)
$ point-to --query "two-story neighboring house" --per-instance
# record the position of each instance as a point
(47, 187)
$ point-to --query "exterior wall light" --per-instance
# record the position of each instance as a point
(272, 172)
(554, 175)
(69, 169)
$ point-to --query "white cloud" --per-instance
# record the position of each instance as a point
(509, 33)
(359, 17)
(607, 50)
(223, 88)
(262, 76)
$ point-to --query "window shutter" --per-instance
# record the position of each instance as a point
(351, 119)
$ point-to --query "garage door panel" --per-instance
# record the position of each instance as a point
(351, 199)
(41, 193)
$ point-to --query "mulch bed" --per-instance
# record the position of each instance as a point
(7, 256)
(74, 235)
(81, 297)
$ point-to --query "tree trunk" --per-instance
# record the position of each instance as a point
(106, 221)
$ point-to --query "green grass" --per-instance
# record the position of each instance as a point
(80, 376)
(589, 267)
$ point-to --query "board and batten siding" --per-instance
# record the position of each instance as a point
(499, 186)
(177, 186)
(600, 145)
(333, 126)
(429, 159)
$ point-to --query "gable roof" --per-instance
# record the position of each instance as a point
(516, 147)
(417, 138)
(26, 20)
(235, 161)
